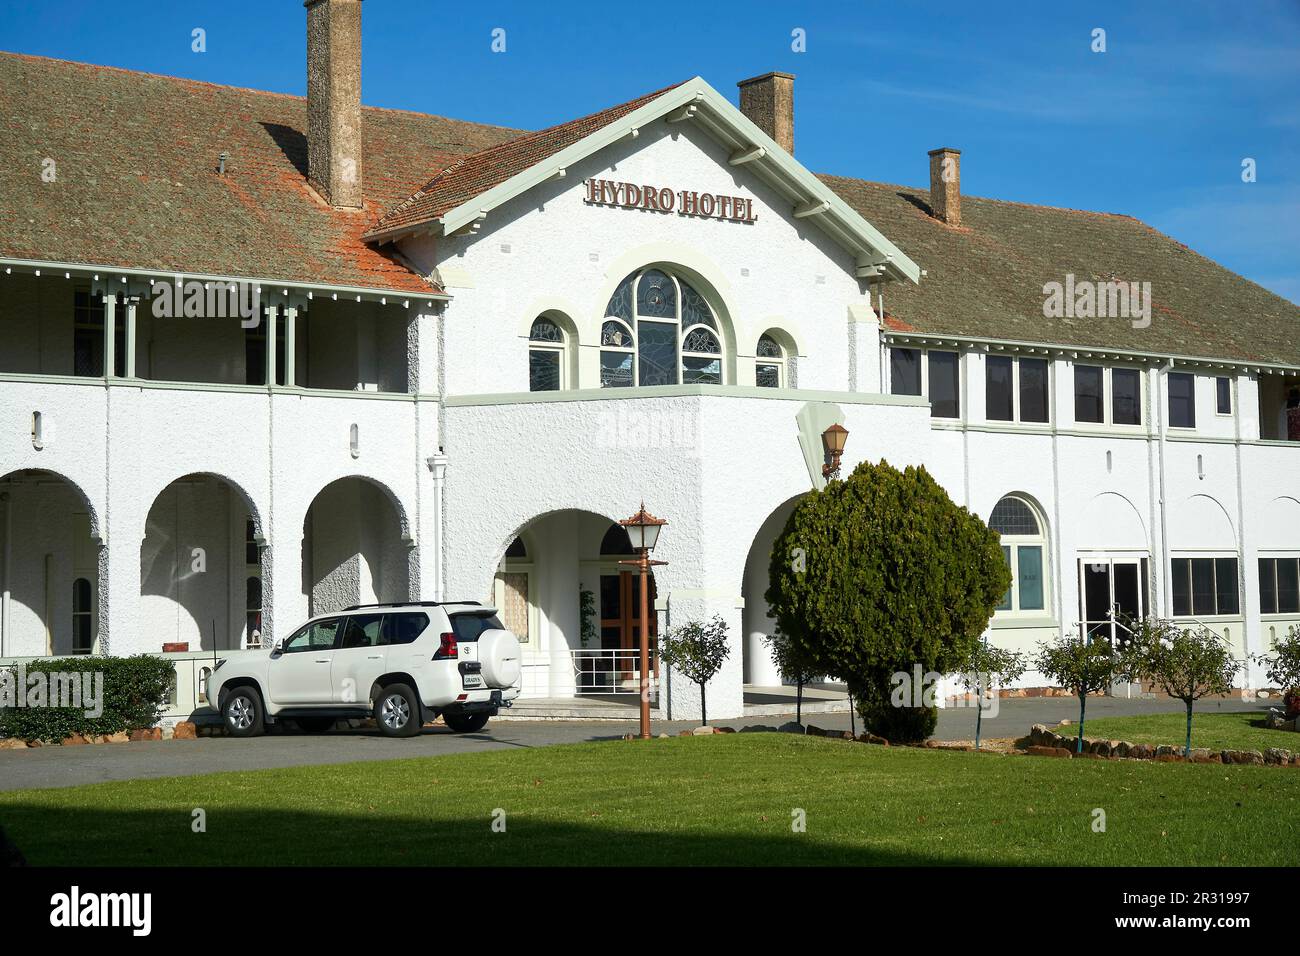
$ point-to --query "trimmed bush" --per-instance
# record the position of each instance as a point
(881, 572)
(135, 691)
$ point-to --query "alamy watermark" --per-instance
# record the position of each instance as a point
(1089, 299)
(921, 689)
(64, 690)
(207, 299)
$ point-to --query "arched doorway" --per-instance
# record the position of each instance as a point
(51, 567)
(201, 566)
(559, 587)
(354, 547)
(759, 669)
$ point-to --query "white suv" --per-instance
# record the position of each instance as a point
(402, 664)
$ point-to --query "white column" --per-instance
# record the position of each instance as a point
(132, 303)
(270, 344)
(110, 338)
(290, 345)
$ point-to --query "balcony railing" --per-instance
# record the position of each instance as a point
(612, 672)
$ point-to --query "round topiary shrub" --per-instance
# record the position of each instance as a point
(881, 572)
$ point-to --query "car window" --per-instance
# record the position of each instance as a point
(468, 626)
(403, 628)
(361, 630)
(314, 637)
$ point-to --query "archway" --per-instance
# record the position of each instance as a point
(202, 560)
(355, 547)
(52, 567)
(559, 587)
(759, 668)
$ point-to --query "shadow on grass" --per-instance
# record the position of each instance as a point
(279, 837)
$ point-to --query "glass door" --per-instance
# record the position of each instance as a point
(1112, 590)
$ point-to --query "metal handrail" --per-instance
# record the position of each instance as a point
(609, 672)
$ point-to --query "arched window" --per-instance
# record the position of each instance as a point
(676, 337)
(1024, 548)
(769, 369)
(616, 541)
(83, 617)
(546, 352)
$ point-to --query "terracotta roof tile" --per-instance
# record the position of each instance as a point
(985, 279)
(474, 175)
(137, 186)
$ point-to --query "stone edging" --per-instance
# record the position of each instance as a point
(1044, 742)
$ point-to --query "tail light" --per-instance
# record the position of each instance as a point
(447, 647)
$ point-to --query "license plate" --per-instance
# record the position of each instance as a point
(473, 680)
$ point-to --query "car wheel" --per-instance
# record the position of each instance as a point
(315, 725)
(242, 712)
(466, 723)
(397, 711)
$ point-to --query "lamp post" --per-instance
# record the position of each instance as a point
(643, 531)
(833, 440)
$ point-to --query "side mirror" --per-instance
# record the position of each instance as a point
(277, 646)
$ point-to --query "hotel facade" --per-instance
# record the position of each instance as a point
(469, 351)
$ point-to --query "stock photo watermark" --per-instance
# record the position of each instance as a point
(62, 690)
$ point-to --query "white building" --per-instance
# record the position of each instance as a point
(490, 345)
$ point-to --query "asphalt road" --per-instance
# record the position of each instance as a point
(70, 766)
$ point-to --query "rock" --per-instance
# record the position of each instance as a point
(680, 733)
(660, 737)
(724, 730)
(870, 738)
(74, 740)
(1169, 758)
(1164, 750)
(702, 731)
(36, 743)
(147, 733)
(1037, 751)
(1253, 757)
(185, 730)
(118, 738)
(757, 729)
(1276, 755)
(1275, 720)
(1204, 755)
(12, 743)
(1141, 752)
(1122, 748)
(1037, 734)
(1101, 748)
(812, 731)
(792, 727)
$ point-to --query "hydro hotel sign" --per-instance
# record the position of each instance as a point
(684, 202)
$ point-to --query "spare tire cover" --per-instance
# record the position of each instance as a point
(498, 654)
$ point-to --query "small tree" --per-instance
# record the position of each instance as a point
(791, 665)
(697, 649)
(986, 668)
(1079, 666)
(1283, 665)
(1186, 665)
(879, 573)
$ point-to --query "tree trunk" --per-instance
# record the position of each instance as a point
(979, 716)
(1187, 749)
(798, 703)
(1083, 707)
(704, 713)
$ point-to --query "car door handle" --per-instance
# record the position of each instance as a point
(374, 657)
(322, 660)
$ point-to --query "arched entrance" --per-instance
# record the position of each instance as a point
(354, 549)
(201, 567)
(560, 588)
(758, 666)
(51, 567)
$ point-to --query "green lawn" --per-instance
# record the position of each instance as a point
(1217, 731)
(711, 800)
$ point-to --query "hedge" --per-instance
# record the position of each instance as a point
(135, 693)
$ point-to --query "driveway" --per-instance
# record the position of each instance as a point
(72, 766)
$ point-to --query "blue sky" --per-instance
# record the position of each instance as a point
(1157, 126)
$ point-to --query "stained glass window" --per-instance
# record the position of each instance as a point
(1013, 516)
(657, 353)
(701, 340)
(544, 330)
(695, 311)
(620, 303)
(768, 348)
(656, 295)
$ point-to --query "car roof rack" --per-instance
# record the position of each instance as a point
(360, 607)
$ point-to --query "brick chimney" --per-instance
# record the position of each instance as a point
(768, 102)
(945, 185)
(334, 100)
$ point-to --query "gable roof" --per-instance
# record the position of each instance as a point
(136, 184)
(496, 175)
(984, 279)
(473, 175)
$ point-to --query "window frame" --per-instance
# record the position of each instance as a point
(1275, 557)
(677, 320)
(560, 350)
(923, 367)
(79, 614)
(1216, 557)
(1169, 399)
(1220, 381)
(778, 363)
(1017, 413)
(1011, 545)
(1108, 396)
